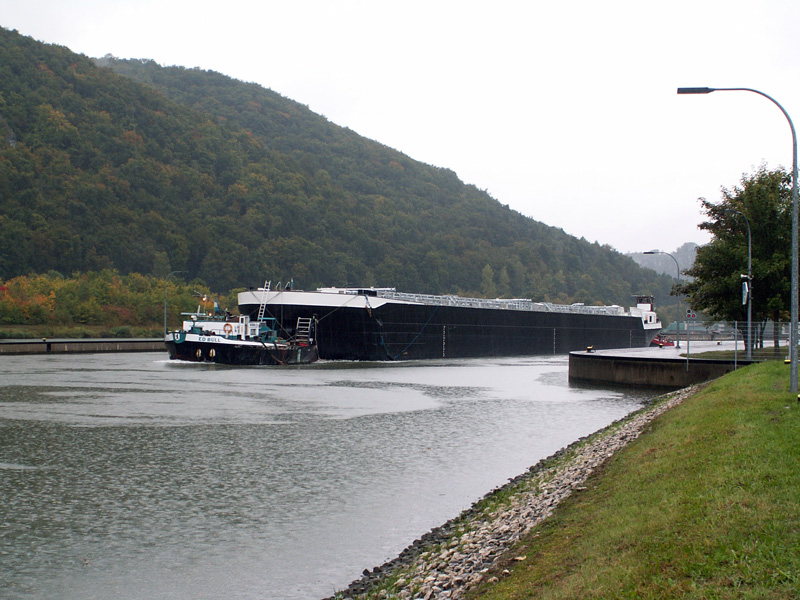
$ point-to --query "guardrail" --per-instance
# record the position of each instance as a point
(499, 303)
(764, 333)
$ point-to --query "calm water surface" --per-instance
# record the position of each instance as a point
(130, 476)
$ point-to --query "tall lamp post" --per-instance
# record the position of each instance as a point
(166, 281)
(794, 292)
(749, 282)
(677, 266)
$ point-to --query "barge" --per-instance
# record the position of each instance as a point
(241, 341)
(382, 324)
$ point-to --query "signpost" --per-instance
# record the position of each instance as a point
(690, 317)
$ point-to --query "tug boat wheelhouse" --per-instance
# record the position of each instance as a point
(241, 341)
(381, 324)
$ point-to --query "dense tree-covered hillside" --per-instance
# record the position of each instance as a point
(141, 168)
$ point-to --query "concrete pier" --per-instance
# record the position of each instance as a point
(653, 367)
(64, 346)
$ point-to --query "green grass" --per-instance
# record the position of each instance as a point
(705, 504)
(24, 332)
(769, 353)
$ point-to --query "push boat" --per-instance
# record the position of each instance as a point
(661, 341)
(239, 340)
(382, 324)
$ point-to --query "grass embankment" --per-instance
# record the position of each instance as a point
(770, 353)
(26, 332)
(706, 504)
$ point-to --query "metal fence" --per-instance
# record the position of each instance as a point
(764, 334)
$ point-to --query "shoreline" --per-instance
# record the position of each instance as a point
(80, 346)
(451, 559)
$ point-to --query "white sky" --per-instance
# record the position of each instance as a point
(565, 110)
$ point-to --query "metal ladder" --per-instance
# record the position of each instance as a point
(263, 307)
(302, 333)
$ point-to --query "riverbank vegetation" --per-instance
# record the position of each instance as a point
(704, 505)
(99, 304)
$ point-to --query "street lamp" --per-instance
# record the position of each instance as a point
(166, 281)
(794, 293)
(678, 329)
(749, 282)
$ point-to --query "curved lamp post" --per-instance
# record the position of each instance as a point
(794, 292)
(677, 322)
(749, 282)
(166, 281)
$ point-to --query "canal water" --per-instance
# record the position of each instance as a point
(131, 476)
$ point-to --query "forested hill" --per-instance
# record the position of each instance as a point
(147, 169)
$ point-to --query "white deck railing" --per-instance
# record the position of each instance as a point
(498, 303)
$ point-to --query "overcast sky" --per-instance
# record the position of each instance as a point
(566, 111)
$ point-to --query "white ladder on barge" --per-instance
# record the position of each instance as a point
(302, 333)
(263, 306)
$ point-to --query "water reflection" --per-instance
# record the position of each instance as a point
(133, 476)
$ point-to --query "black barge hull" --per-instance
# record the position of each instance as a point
(236, 354)
(413, 331)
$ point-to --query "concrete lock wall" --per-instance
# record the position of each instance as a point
(86, 346)
(650, 372)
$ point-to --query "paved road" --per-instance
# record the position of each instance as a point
(694, 348)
